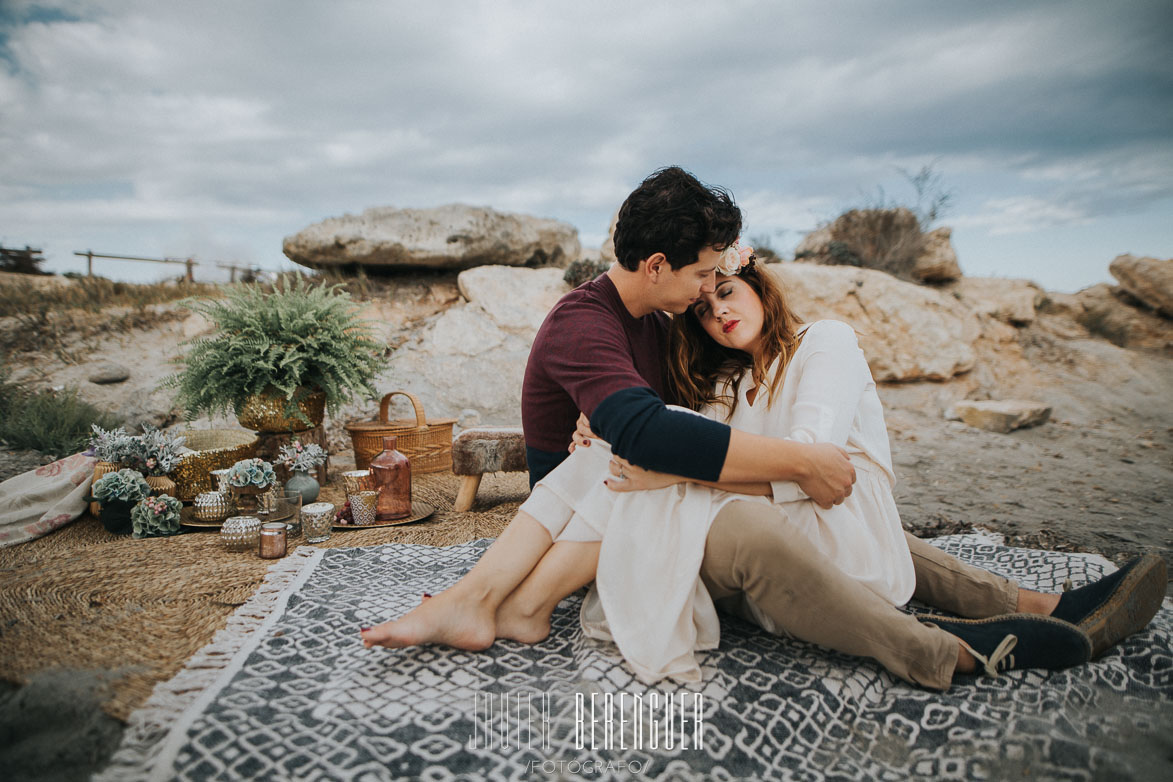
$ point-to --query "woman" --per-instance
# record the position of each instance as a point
(738, 354)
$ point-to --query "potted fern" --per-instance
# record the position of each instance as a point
(279, 358)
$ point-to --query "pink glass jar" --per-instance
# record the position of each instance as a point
(391, 471)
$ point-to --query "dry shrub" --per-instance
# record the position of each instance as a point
(56, 423)
(39, 318)
(886, 239)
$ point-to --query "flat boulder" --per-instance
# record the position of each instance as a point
(1003, 415)
(907, 331)
(445, 237)
(1149, 280)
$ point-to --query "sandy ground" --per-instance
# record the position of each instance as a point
(1098, 477)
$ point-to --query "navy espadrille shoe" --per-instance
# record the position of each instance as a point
(1015, 641)
(1117, 605)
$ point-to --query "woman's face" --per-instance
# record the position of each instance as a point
(732, 314)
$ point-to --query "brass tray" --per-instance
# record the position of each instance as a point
(187, 518)
(419, 512)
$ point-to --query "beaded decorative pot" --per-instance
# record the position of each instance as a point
(266, 413)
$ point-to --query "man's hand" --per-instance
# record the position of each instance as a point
(628, 477)
(582, 433)
(829, 476)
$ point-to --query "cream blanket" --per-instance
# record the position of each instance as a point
(39, 501)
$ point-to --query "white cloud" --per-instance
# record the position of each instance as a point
(1021, 214)
(240, 122)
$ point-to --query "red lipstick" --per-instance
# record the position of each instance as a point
(730, 326)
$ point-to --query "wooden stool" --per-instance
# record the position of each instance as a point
(485, 449)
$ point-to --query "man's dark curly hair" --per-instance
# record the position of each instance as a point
(674, 213)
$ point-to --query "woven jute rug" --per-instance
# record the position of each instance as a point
(286, 691)
(82, 598)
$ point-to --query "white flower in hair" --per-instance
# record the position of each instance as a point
(734, 259)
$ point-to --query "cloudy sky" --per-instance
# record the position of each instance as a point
(215, 129)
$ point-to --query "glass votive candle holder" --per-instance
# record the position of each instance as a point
(220, 481)
(357, 480)
(363, 505)
(267, 502)
(241, 533)
(289, 511)
(212, 506)
(316, 520)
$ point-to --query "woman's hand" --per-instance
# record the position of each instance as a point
(582, 433)
(628, 477)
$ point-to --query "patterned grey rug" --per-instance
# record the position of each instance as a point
(288, 692)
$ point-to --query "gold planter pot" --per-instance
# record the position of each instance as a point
(160, 484)
(100, 469)
(266, 413)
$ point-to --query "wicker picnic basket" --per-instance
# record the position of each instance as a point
(426, 443)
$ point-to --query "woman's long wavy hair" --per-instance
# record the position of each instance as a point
(702, 372)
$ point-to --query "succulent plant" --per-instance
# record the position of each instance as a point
(121, 486)
(251, 472)
(299, 457)
(153, 452)
(158, 452)
(113, 445)
(156, 516)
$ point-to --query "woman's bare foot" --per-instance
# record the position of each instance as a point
(516, 623)
(448, 618)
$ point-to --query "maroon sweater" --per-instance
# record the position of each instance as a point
(591, 355)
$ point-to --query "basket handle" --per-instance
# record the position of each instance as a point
(421, 420)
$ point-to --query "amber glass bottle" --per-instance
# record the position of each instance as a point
(392, 473)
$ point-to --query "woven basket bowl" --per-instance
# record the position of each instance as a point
(215, 449)
(427, 443)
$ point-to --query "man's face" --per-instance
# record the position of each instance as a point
(680, 288)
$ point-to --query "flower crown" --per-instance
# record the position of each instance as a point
(735, 258)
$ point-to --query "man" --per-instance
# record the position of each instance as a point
(601, 351)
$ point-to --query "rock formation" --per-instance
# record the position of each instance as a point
(446, 237)
(607, 251)
(937, 260)
(471, 357)
(1149, 280)
(907, 331)
(1105, 311)
(1008, 300)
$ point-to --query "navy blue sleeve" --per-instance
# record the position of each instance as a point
(642, 430)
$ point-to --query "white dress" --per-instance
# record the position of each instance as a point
(648, 596)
